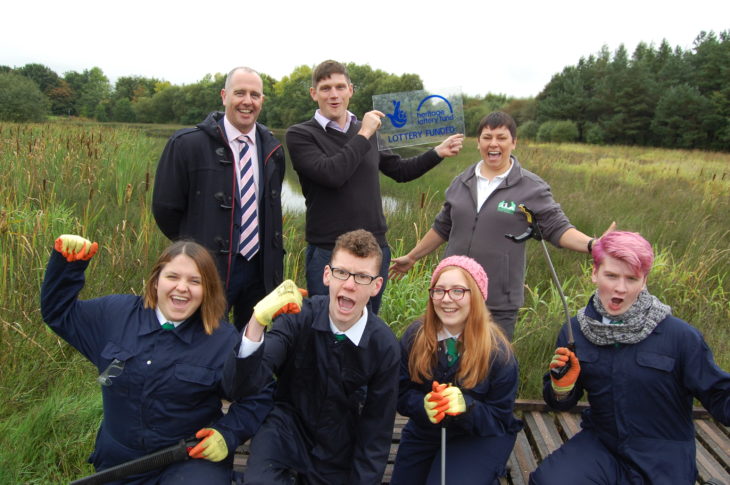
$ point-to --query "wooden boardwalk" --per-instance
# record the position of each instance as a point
(545, 430)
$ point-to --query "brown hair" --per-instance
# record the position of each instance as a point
(479, 343)
(327, 68)
(495, 120)
(213, 307)
(360, 243)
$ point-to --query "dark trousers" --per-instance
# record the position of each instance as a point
(477, 460)
(245, 288)
(506, 319)
(280, 456)
(189, 472)
(584, 459)
(317, 258)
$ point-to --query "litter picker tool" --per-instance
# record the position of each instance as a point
(533, 231)
(443, 455)
(164, 457)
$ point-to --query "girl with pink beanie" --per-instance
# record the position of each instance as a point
(457, 371)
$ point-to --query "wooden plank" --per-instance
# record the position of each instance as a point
(544, 433)
(523, 460)
(570, 422)
(715, 439)
(708, 467)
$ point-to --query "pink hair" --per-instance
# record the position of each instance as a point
(628, 247)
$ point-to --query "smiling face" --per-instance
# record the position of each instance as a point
(333, 95)
(179, 288)
(347, 298)
(495, 146)
(618, 285)
(452, 313)
(243, 97)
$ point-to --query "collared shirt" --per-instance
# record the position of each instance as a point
(233, 133)
(443, 334)
(161, 318)
(326, 122)
(485, 187)
(353, 333)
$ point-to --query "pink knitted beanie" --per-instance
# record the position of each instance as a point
(469, 265)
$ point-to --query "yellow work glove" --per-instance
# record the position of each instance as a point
(566, 383)
(286, 298)
(75, 248)
(435, 404)
(455, 398)
(212, 448)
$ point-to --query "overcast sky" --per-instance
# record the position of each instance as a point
(506, 47)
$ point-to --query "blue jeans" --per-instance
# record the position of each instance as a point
(317, 258)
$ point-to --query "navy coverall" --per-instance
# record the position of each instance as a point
(479, 441)
(170, 385)
(335, 402)
(638, 428)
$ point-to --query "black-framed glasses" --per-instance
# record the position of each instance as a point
(360, 278)
(456, 294)
(114, 369)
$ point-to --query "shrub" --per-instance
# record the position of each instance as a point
(21, 99)
(558, 131)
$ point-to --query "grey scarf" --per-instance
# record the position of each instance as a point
(633, 326)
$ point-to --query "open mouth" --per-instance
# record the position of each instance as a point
(345, 304)
(179, 301)
(616, 303)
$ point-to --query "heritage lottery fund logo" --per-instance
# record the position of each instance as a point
(418, 117)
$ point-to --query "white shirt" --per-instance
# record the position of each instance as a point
(161, 318)
(325, 122)
(485, 187)
(233, 133)
(443, 334)
(354, 333)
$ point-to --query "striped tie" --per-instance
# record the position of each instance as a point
(249, 244)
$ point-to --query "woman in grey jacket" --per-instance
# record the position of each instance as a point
(481, 207)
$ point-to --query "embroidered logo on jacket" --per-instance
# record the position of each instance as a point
(507, 206)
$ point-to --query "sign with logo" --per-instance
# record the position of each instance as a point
(418, 117)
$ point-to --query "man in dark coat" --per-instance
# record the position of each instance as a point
(336, 367)
(219, 184)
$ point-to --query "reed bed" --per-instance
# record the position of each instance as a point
(96, 180)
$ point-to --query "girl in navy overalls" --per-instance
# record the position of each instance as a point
(160, 359)
(456, 342)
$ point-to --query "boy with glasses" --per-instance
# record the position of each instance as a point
(336, 366)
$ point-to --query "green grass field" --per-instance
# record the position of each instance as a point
(96, 180)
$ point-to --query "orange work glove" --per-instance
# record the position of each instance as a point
(566, 383)
(435, 404)
(212, 448)
(75, 248)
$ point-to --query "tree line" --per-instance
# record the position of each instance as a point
(658, 96)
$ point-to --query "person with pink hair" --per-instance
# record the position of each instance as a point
(641, 368)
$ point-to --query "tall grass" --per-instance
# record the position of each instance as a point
(95, 180)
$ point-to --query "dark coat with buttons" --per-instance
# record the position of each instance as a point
(193, 196)
(641, 396)
(171, 382)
